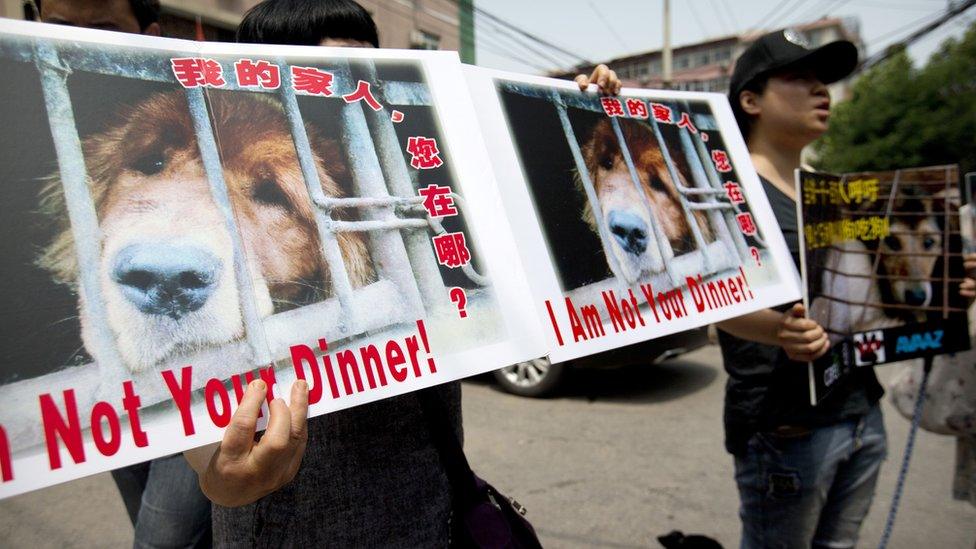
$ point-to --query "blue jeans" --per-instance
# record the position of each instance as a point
(165, 504)
(811, 490)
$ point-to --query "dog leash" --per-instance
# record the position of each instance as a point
(909, 447)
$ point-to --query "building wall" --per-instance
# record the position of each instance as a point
(707, 66)
(402, 24)
(408, 24)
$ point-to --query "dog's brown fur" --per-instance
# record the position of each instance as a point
(613, 185)
(146, 171)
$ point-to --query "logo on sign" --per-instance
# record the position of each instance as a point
(916, 343)
(869, 348)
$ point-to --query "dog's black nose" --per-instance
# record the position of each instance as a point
(629, 231)
(916, 297)
(164, 279)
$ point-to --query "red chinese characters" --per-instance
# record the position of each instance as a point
(257, 74)
(438, 201)
(312, 81)
(734, 192)
(746, 224)
(193, 72)
(637, 108)
(612, 106)
(452, 251)
(424, 154)
(686, 123)
(363, 92)
(661, 113)
(721, 160)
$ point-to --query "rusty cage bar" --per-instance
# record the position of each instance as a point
(729, 249)
(409, 278)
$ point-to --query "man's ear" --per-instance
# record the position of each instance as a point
(749, 101)
(152, 30)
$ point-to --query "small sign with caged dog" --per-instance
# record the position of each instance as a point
(882, 262)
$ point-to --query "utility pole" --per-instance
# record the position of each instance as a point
(666, 50)
(466, 17)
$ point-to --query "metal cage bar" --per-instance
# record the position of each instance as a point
(716, 182)
(715, 218)
(325, 225)
(82, 213)
(388, 249)
(673, 172)
(584, 175)
(397, 175)
(210, 156)
(660, 238)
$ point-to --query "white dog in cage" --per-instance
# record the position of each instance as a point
(167, 269)
(633, 251)
(895, 271)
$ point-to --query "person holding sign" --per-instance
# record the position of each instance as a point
(806, 475)
(161, 496)
(365, 476)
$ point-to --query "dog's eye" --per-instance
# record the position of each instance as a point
(893, 243)
(150, 163)
(929, 243)
(268, 192)
(606, 162)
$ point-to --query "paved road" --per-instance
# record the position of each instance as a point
(618, 458)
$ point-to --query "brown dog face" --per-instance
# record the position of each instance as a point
(167, 271)
(626, 215)
(910, 252)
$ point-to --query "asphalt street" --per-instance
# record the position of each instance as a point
(616, 459)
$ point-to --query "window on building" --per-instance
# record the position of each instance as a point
(681, 62)
(423, 40)
(703, 58)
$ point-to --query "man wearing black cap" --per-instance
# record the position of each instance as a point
(806, 475)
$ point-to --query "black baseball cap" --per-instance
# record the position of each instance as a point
(789, 48)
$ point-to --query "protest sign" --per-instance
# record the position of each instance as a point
(622, 244)
(182, 217)
(882, 264)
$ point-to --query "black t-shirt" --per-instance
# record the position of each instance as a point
(765, 388)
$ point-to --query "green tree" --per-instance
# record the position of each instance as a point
(900, 116)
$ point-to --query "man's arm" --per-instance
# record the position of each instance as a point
(238, 470)
(803, 339)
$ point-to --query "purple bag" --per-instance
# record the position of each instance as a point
(481, 516)
(494, 521)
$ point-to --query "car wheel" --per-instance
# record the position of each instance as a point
(534, 378)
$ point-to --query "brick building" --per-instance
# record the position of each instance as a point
(707, 65)
(402, 24)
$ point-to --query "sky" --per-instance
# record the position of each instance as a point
(599, 30)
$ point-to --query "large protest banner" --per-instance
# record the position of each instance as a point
(882, 264)
(637, 216)
(181, 217)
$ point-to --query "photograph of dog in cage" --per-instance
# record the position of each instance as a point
(213, 216)
(884, 259)
(630, 199)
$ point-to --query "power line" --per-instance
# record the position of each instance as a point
(823, 9)
(526, 34)
(491, 40)
(694, 13)
(771, 15)
(606, 23)
(718, 14)
(950, 13)
(728, 10)
(527, 45)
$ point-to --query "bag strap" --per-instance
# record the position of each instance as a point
(449, 450)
